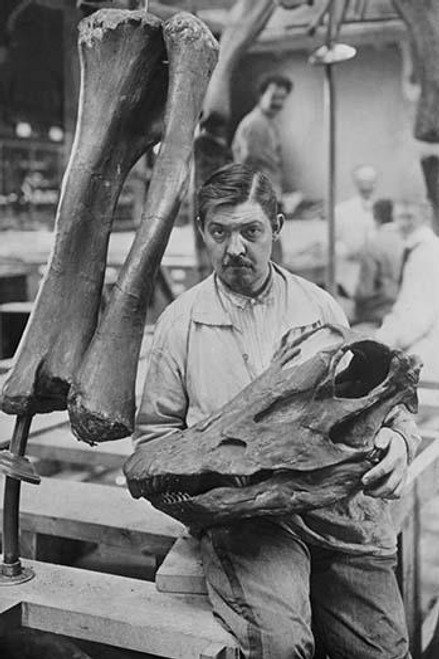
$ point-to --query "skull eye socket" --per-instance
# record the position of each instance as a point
(365, 366)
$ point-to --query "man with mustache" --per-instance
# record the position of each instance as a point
(264, 574)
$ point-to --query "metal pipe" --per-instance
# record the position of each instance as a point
(11, 506)
(329, 110)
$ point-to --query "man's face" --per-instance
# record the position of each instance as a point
(239, 240)
(408, 217)
(365, 186)
(273, 99)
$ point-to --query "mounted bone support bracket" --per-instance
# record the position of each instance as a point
(122, 99)
(101, 401)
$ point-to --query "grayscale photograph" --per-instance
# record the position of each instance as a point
(219, 329)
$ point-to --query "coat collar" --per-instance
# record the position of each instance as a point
(208, 308)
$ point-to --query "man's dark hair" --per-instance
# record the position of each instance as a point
(275, 79)
(236, 184)
(383, 211)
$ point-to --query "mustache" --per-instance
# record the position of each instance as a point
(236, 262)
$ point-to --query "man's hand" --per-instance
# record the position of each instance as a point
(386, 480)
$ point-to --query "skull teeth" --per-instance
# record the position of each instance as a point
(241, 481)
(174, 497)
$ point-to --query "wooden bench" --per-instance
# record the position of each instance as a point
(116, 611)
(88, 512)
(428, 394)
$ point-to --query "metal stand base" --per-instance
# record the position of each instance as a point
(8, 578)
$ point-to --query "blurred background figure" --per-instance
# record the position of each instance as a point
(354, 226)
(380, 268)
(354, 217)
(257, 140)
(257, 143)
(413, 322)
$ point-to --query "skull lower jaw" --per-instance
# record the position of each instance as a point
(279, 494)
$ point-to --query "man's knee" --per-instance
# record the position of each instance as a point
(289, 646)
(292, 642)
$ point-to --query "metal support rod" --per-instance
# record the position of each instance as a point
(11, 551)
(329, 110)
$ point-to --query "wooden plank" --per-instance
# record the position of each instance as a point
(430, 627)
(40, 424)
(126, 613)
(409, 570)
(424, 476)
(95, 513)
(182, 569)
(61, 445)
(429, 384)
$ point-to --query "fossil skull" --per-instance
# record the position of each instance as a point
(298, 437)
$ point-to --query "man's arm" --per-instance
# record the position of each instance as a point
(164, 402)
(252, 145)
(413, 313)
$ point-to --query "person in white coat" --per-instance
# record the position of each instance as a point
(413, 322)
(354, 227)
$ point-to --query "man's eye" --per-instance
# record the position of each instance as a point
(251, 233)
(217, 233)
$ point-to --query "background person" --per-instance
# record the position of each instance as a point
(413, 322)
(262, 574)
(380, 268)
(257, 142)
(354, 227)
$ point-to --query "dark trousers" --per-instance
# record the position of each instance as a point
(263, 584)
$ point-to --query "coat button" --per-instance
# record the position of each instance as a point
(245, 356)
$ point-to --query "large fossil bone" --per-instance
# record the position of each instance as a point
(298, 437)
(101, 402)
(122, 98)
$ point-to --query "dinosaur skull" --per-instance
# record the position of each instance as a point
(300, 436)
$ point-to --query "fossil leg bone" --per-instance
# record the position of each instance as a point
(123, 91)
(101, 401)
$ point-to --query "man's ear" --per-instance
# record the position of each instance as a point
(277, 225)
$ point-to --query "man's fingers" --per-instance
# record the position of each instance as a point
(382, 441)
(378, 472)
(393, 460)
(391, 488)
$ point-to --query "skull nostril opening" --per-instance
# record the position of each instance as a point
(231, 441)
(362, 369)
(231, 448)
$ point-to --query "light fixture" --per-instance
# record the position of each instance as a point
(23, 129)
(56, 134)
(334, 54)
